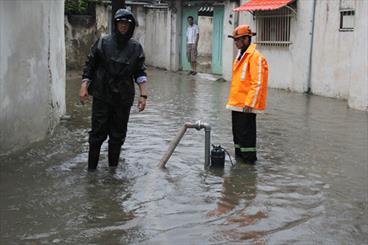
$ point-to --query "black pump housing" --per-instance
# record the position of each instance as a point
(217, 157)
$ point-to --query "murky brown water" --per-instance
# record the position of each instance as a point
(310, 185)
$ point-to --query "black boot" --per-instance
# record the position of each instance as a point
(114, 154)
(249, 157)
(93, 156)
(237, 152)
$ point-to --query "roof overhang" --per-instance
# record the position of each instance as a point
(263, 5)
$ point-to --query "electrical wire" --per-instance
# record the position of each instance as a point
(231, 161)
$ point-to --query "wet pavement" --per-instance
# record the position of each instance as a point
(310, 185)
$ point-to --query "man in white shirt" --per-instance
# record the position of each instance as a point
(192, 44)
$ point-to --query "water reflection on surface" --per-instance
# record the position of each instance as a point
(309, 185)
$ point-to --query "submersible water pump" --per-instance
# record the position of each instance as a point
(217, 157)
(213, 159)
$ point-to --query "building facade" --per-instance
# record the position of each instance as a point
(316, 46)
(326, 53)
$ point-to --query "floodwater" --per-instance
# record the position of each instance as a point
(310, 185)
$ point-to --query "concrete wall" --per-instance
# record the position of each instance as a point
(358, 91)
(205, 24)
(157, 37)
(80, 34)
(176, 16)
(32, 71)
(103, 19)
(288, 66)
(158, 31)
(340, 58)
(81, 31)
(140, 29)
(229, 50)
(332, 51)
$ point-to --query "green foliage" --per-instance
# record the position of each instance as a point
(77, 6)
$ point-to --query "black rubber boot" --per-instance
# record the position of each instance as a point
(93, 156)
(114, 154)
(237, 152)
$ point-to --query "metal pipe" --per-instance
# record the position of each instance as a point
(197, 125)
(207, 143)
(309, 81)
(172, 146)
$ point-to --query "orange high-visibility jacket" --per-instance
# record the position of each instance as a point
(249, 82)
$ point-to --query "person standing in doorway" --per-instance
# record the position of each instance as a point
(115, 63)
(192, 45)
(248, 93)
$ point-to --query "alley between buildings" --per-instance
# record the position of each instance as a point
(309, 185)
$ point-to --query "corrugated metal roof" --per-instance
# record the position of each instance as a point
(254, 5)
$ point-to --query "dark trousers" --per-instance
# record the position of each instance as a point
(107, 120)
(244, 135)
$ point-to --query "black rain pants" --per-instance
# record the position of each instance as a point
(244, 135)
(107, 120)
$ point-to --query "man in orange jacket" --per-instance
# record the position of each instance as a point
(248, 93)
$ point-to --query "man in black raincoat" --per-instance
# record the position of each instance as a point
(114, 64)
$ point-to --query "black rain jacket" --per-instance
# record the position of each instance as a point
(112, 67)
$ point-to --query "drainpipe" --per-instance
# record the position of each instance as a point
(309, 88)
(197, 125)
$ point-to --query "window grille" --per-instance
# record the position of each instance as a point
(347, 20)
(273, 27)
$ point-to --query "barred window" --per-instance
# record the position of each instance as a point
(273, 27)
(347, 20)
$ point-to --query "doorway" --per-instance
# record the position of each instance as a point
(210, 22)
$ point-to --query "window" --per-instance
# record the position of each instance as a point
(347, 20)
(273, 27)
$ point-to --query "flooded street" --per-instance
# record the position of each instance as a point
(309, 186)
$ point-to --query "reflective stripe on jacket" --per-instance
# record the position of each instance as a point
(249, 82)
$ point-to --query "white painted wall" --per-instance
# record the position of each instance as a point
(157, 38)
(331, 54)
(228, 48)
(339, 59)
(159, 33)
(205, 24)
(140, 30)
(288, 66)
(176, 16)
(358, 91)
(32, 70)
